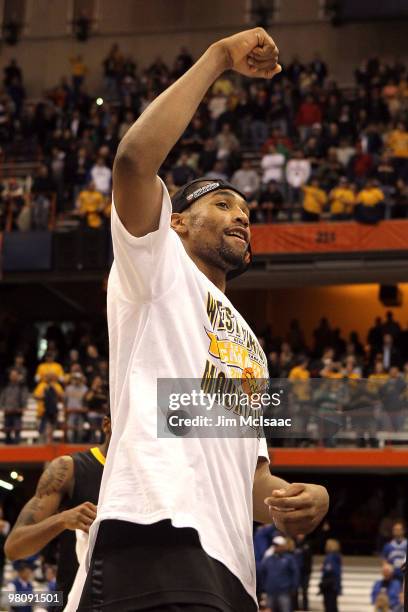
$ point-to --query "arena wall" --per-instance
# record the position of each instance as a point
(161, 27)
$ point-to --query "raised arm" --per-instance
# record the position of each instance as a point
(38, 522)
(136, 187)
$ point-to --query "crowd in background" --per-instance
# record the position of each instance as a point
(69, 384)
(284, 567)
(335, 383)
(299, 146)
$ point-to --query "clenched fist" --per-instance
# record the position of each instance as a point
(252, 53)
(80, 517)
(299, 508)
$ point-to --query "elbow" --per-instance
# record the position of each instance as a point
(11, 550)
(127, 158)
(129, 163)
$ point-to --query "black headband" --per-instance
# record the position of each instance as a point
(187, 195)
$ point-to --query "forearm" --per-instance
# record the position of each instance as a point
(30, 539)
(148, 142)
(264, 484)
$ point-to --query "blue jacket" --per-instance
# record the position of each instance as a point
(395, 552)
(263, 540)
(391, 587)
(331, 570)
(279, 573)
(22, 587)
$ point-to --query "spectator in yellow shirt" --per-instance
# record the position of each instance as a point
(370, 203)
(299, 375)
(49, 366)
(78, 71)
(314, 200)
(223, 86)
(91, 205)
(48, 393)
(397, 141)
(342, 200)
(377, 379)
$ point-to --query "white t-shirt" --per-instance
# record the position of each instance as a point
(159, 327)
(102, 176)
(272, 166)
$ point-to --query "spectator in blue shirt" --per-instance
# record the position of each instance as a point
(330, 584)
(22, 584)
(386, 591)
(279, 576)
(304, 559)
(395, 551)
(263, 537)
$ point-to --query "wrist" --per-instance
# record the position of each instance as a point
(220, 56)
(61, 520)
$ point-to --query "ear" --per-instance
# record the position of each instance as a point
(179, 224)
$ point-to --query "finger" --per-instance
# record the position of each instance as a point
(263, 38)
(91, 505)
(84, 527)
(290, 503)
(263, 66)
(297, 516)
(263, 52)
(291, 491)
(263, 61)
(88, 513)
(266, 74)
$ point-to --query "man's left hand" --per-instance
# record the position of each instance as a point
(299, 508)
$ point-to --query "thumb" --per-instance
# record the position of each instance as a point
(296, 488)
(266, 73)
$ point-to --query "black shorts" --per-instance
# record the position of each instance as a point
(158, 568)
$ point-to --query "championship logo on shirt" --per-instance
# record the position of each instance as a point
(241, 360)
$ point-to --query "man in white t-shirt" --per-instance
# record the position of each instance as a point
(101, 175)
(174, 523)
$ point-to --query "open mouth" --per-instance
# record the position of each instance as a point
(239, 234)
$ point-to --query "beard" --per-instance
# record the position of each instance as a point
(223, 257)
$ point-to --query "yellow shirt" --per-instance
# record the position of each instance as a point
(299, 373)
(91, 204)
(398, 143)
(342, 200)
(375, 381)
(49, 368)
(334, 375)
(300, 377)
(78, 67)
(370, 196)
(223, 86)
(39, 395)
(314, 199)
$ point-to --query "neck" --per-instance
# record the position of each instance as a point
(214, 274)
(104, 448)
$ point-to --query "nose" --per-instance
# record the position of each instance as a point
(241, 216)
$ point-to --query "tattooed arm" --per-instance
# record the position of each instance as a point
(39, 521)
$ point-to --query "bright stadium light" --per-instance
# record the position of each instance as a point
(6, 485)
(99, 101)
(14, 475)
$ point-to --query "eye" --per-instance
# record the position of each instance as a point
(222, 204)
